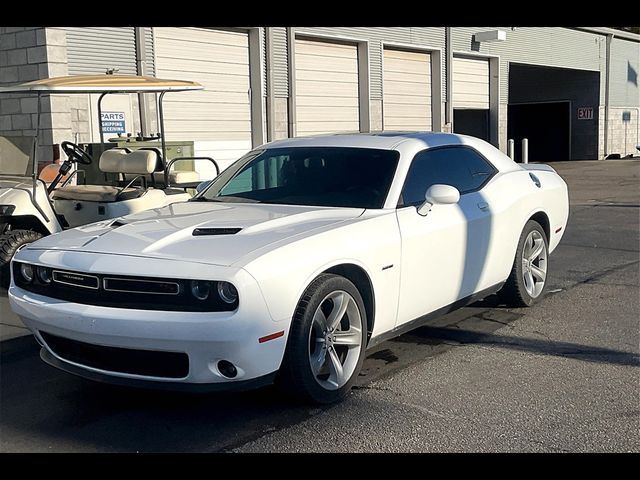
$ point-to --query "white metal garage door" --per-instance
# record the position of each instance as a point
(406, 90)
(217, 118)
(326, 87)
(471, 83)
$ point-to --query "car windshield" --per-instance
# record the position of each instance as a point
(319, 176)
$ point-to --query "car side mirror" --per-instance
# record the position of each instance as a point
(439, 194)
(202, 185)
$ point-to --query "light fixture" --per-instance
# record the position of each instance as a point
(490, 36)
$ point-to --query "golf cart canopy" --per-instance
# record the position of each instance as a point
(102, 84)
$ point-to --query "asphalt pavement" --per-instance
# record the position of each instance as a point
(561, 376)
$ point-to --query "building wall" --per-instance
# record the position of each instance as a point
(28, 53)
(545, 46)
(32, 53)
(433, 37)
(624, 97)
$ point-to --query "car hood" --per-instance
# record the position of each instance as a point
(169, 232)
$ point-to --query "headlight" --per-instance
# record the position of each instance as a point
(26, 271)
(227, 292)
(200, 289)
(44, 275)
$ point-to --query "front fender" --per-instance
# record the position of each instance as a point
(21, 197)
(285, 272)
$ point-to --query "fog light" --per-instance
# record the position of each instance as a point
(44, 275)
(227, 369)
(26, 271)
(200, 289)
(227, 292)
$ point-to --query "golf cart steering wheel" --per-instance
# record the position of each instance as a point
(76, 154)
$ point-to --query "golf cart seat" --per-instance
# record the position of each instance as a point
(116, 160)
(177, 178)
(96, 193)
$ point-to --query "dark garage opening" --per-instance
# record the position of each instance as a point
(547, 126)
(471, 122)
(547, 105)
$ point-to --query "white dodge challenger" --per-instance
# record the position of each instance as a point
(296, 259)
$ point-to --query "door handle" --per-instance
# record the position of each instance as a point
(483, 205)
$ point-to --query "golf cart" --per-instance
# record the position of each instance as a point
(36, 203)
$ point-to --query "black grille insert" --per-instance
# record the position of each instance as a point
(143, 293)
(122, 360)
(128, 285)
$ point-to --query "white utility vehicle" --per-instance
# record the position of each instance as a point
(31, 208)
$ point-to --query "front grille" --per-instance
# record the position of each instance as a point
(142, 293)
(154, 287)
(121, 360)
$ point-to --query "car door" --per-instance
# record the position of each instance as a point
(444, 253)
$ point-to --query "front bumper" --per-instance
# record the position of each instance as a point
(205, 337)
(237, 386)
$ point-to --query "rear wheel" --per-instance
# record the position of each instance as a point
(9, 243)
(528, 277)
(327, 341)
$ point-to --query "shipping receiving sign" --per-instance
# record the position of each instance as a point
(112, 122)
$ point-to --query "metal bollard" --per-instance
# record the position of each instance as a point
(525, 150)
(510, 149)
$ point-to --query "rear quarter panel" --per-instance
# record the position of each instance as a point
(514, 199)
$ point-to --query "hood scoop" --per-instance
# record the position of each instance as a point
(118, 223)
(204, 232)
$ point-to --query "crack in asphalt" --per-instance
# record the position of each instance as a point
(604, 273)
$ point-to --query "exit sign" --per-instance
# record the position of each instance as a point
(585, 113)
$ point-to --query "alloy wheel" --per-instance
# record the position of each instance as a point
(335, 340)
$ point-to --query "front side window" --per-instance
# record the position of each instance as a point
(460, 167)
(319, 176)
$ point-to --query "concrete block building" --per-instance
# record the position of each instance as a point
(573, 92)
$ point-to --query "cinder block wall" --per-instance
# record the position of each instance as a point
(32, 53)
(624, 135)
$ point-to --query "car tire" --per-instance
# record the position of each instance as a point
(9, 244)
(322, 359)
(528, 278)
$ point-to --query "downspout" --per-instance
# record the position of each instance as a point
(607, 86)
(270, 97)
(141, 64)
(448, 111)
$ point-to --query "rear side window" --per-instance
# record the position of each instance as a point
(460, 167)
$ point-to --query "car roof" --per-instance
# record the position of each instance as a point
(390, 140)
(382, 140)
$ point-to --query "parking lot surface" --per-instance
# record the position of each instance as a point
(561, 376)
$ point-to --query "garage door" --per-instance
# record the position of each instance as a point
(217, 118)
(471, 83)
(407, 90)
(326, 87)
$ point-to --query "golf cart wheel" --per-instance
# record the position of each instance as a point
(326, 343)
(9, 243)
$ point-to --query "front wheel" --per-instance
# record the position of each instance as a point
(327, 341)
(9, 244)
(528, 277)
